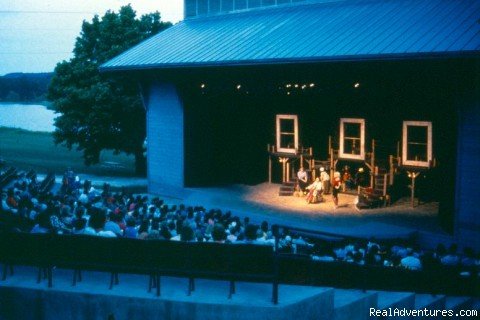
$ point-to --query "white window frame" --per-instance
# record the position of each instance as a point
(341, 152)
(415, 163)
(279, 118)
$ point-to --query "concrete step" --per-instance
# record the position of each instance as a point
(389, 301)
(353, 304)
(430, 302)
(476, 304)
(21, 298)
(458, 303)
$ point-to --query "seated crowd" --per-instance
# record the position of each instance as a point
(79, 208)
(405, 256)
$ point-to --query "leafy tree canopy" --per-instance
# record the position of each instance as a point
(100, 111)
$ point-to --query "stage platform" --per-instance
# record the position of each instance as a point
(262, 202)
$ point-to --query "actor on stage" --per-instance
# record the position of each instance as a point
(302, 179)
(337, 183)
(347, 180)
(314, 191)
(325, 180)
(362, 178)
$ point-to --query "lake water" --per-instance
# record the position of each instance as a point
(32, 117)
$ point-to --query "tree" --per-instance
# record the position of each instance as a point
(100, 111)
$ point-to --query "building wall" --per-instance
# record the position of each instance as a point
(165, 138)
(467, 226)
(194, 8)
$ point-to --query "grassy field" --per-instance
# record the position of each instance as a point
(35, 150)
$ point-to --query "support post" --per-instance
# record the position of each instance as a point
(372, 164)
(392, 169)
(413, 175)
(333, 164)
(50, 276)
(385, 182)
(288, 172)
(269, 169)
(329, 145)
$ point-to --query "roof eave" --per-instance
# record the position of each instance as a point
(260, 62)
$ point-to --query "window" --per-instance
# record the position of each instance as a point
(352, 139)
(417, 143)
(287, 133)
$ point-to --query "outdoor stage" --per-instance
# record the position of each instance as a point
(262, 202)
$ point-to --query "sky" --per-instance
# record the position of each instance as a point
(37, 34)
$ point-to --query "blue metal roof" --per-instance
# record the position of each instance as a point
(317, 31)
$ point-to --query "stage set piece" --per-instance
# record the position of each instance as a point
(303, 175)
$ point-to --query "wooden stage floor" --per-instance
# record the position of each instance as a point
(262, 202)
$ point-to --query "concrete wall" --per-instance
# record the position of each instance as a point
(21, 303)
(467, 222)
(165, 138)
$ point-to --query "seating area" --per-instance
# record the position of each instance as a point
(324, 259)
(6, 176)
(84, 228)
(242, 262)
(47, 183)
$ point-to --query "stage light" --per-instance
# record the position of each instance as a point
(356, 85)
(296, 85)
(312, 85)
(304, 86)
(202, 86)
(288, 85)
(288, 93)
(239, 86)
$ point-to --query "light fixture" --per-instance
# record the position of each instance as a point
(202, 86)
(239, 86)
(312, 85)
(356, 85)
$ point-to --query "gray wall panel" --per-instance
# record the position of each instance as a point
(165, 137)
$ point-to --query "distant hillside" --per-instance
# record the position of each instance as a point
(24, 87)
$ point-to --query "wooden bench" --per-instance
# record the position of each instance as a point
(7, 176)
(25, 249)
(155, 258)
(47, 183)
(438, 280)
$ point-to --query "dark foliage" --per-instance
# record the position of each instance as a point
(100, 111)
(24, 87)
